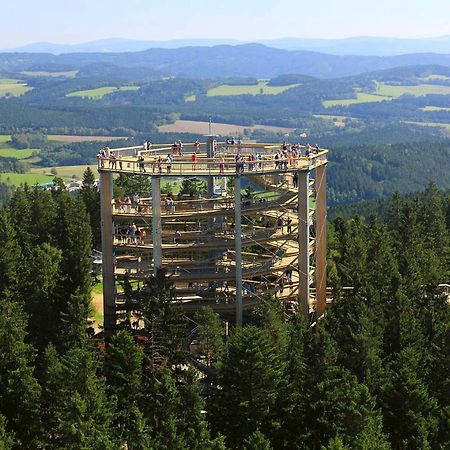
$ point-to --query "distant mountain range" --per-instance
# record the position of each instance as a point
(363, 46)
(248, 60)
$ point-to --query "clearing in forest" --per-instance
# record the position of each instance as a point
(247, 89)
(98, 93)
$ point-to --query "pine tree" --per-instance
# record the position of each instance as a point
(410, 412)
(123, 370)
(20, 392)
(39, 284)
(10, 256)
(210, 335)
(91, 198)
(77, 411)
(249, 379)
(161, 403)
(345, 408)
(256, 441)
(6, 439)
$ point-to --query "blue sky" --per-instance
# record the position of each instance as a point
(74, 21)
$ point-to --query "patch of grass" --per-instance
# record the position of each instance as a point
(65, 172)
(435, 108)
(254, 89)
(361, 97)
(18, 154)
(190, 98)
(15, 88)
(5, 138)
(389, 90)
(37, 73)
(97, 288)
(17, 179)
(96, 94)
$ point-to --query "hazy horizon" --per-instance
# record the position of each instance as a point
(52, 21)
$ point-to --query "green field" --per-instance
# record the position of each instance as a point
(190, 98)
(21, 178)
(9, 87)
(67, 74)
(361, 97)
(96, 94)
(65, 172)
(5, 137)
(254, 89)
(389, 90)
(435, 108)
(18, 154)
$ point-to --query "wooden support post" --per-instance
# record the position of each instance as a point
(210, 154)
(321, 240)
(156, 224)
(109, 304)
(303, 242)
(238, 247)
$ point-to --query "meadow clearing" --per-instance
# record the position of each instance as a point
(253, 89)
(10, 87)
(98, 93)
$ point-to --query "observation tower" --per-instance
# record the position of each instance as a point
(259, 227)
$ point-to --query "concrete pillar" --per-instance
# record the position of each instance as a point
(303, 241)
(156, 223)
(238, 248)
(321, 240)
(109, 304)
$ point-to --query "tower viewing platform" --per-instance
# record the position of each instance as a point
(256, 226)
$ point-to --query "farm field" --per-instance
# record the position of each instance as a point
(389, 90)
(37, 73)
(21, 178)
(361, 97)
(255, 89)
(67, 173)
(11, 87)
(18, 154)
(435, 108)
(98, 93)
(223, 129)
(5, 138)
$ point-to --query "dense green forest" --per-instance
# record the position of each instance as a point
(372, 374)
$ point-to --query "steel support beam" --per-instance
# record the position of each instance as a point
(156, 224)
(321, 240)
(238, 247)
(303, 242)
(109, 305)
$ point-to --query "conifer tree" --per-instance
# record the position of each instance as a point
(250, 378)
(91, 198)
(39, 284)
(210, 335)
(123, 366)
(77, 408)
(256, 441)
(10, 256)
(6, 439)
(20, 392)
(410, 412)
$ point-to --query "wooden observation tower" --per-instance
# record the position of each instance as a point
(260, 227)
